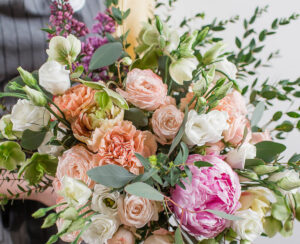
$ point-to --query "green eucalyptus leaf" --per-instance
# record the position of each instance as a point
(93, 84)
(102, 99)
(268, 150)
(144, 190)
(253, 162)
(11, 155)
(106, 55)
(31, 140)
(201, 164)
(111, 175)
(258, 113)
(136, 116)
(178, 237)
(116, 98)
(77, 72)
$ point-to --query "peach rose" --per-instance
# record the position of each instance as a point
(136, 211)
(214, 148)
(166, 122)
(118, 145)
(234, 104)
(75, 163)
(186, 100)
(159, 239)
(235, 133)
(144, 89)
(122, 236)
(74, 100)
(260, 136)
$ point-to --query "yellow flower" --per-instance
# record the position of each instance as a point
(140, 11)
(257, 199)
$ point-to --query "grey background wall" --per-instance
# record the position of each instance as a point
(287, 40)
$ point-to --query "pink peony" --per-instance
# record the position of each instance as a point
(215, 188)
(166, 122)
(144, 89)
(260, 136)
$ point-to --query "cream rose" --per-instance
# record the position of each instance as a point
(166, 122)
(102, 229)
(236, 158)
(104, 201)
(54, 78)
(25, 115)
(159, 239)
(136, 211)
(75, 191)
(122, 236)
(249, 227)
(204, 128)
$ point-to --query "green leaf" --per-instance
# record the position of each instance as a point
(178, 237)
(253, 162)
(223, 215)
(144, 161)
(295, 158)
(116, 98)
(106, 55)
(136, 116)
(271, 226)
(268, 150)
(238, 42)
(201, 164)
(285, 126)
(78, 72)
(280, 210)
(293, 114)
(93, 85)
(258, 113)
(102, 99)
(144, 190)
(11, 155)
(277, 116)
(111, 175)
(31, 140)
(180, 133)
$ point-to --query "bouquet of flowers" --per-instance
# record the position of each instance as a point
(148, 138)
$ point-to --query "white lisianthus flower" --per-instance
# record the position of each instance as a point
(61, 48)
(203, 128)
(249, 227)
(226, 67)
(75, 191)
(104, 201)
(54, 78)
(182, 69)
(26, 115)
(236, 158)
(102, 229)
(51, 149)
(287, 180)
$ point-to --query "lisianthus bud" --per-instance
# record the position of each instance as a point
(70, 213)
(185, 48)
(212, 53)
(265, 169)
(39, 213)
(126, 61)
(223, 90)
(50, 220)
(63, 49)
(36, 97)
(287, 180)
(27, 77)
(182, 69)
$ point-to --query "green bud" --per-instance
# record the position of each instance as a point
(223, 90)
(52, 239)
(265, 169)
(65, 225)
(27, 77)
(159, 24)
(200, 87)
(211, 55)
(126, 61)
(162, 41)
(250, 174)
(289, 183)
(202, 34)
(39, 213)
(35, 96)
(70, 214)
(186, 46)
(76, 225)
(50, 220)
(271, 226)
(288, 227)
(153, 160)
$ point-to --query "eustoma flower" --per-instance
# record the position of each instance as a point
(215, 188)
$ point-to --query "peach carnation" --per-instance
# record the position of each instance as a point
(119, 144)
(144, 89)
(75, 163)
(74, 101)
(166, 122)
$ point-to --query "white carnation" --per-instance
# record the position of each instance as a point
(204, 128)
(26, 115)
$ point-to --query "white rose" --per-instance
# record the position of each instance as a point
(75, 191)
(249, 227)
(102, 229)
(77, 4)
(25, 115)
(204, 128)
(226, 67)
(182, 69)
(287, 180)
(61, 48)
(105, 201)
(54, 77)
(51, 149)
(236, 158)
